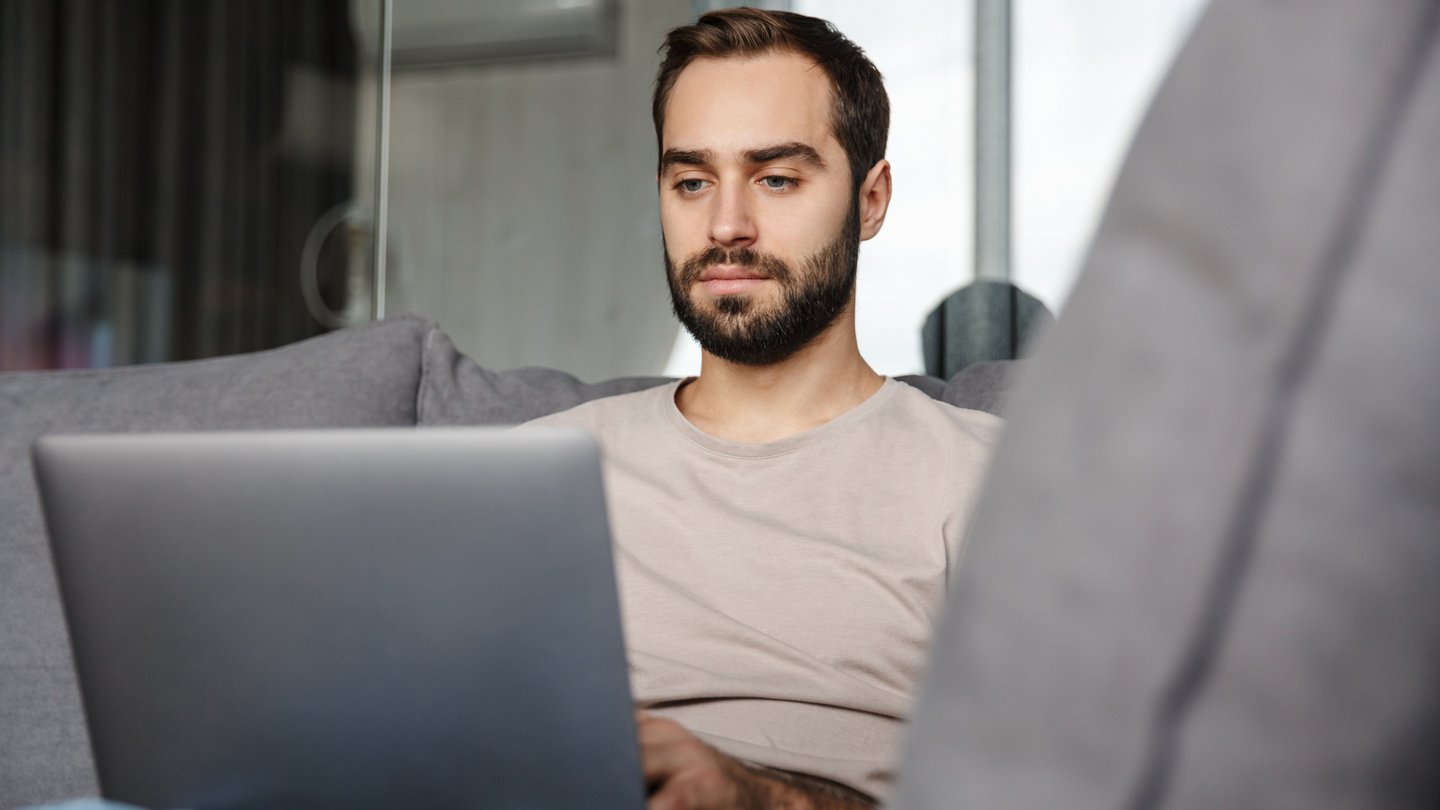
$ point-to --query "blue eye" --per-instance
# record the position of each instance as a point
(778, 182)
(691, 185)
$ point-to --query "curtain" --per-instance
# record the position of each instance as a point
(162, 163)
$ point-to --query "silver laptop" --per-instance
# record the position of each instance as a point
(344, 619)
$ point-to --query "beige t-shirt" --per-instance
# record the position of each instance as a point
(777, 598)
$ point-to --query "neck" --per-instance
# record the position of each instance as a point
(765, 403)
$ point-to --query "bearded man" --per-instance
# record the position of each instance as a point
(785, 522)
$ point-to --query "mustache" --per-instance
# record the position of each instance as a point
(764, 263)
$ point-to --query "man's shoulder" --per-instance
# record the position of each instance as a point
(938, 421)
(609, 413)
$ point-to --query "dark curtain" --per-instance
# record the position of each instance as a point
(161, 164)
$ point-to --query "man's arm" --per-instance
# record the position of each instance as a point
(684, 773)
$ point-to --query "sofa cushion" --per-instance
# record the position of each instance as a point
(361, 377)
(457, 391)
(981, 386)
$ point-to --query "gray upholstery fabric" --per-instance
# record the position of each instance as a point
(982, 386)
(401, 372)
(1202, 573)
(366, 376)
(457, 391)
(933, 387)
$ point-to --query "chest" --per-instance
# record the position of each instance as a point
(838, 564)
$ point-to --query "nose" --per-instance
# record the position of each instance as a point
(732, 223)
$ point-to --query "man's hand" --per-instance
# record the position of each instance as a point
(684, 773)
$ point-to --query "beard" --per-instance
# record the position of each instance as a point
(742, 330)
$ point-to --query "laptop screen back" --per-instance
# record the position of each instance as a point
(344, 619)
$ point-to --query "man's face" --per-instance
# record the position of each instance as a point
(760, 220)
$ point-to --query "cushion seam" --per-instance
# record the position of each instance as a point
(421, 385)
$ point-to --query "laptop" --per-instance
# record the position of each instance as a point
(344, 619)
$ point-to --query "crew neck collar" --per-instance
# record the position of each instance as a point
(779, 447)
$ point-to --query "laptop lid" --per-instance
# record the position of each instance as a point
(344, 619)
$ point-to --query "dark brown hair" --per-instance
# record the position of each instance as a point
(861, 116)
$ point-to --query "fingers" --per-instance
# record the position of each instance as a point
(653, 726)
(666, 748)
(677, 794)
(682, 772)
(704, 788)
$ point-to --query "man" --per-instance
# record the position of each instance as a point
(786, 521)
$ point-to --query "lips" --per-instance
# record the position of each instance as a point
(730, 279)
(731, 273)
(718, 272)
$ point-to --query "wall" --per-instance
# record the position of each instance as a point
(523, 213)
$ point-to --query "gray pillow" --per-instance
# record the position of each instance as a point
(981, 386)
(457, 391)
(367, 376)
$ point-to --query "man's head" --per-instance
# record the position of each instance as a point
(771, 128)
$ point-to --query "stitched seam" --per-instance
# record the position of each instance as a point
(421, 389)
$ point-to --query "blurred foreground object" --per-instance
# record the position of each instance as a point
(1202, 574)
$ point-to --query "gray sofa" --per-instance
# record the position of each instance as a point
(399, 372)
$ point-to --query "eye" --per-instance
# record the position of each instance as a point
(779, 182)
(691, 185)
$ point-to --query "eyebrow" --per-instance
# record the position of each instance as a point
(685, 157)
(794, 149)
(765, 154)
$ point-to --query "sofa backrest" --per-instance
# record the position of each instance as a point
(398, 373)
(458, 391)
(363, 377)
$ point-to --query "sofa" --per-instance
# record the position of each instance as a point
(401, 372)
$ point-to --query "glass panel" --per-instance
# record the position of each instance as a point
(522, 207)
(167, 166)
(1084, 75)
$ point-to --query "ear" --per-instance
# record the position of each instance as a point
(874, 199)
